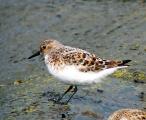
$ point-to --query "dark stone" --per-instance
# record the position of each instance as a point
(141, 96)
(63, 115)
(99, 90)
(138, 81)
(58, 16)
(76, 34)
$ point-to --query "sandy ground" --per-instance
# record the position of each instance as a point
(111, 29)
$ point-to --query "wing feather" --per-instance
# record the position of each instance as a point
(86, 61)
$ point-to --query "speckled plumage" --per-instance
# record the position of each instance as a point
(74, 65)
(128, 114)
(84, 60)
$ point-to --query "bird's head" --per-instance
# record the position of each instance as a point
(46, 46)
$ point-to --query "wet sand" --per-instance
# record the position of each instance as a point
(111, 29)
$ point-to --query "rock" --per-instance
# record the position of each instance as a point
(141, 96)
(138, 81)
(63, 116)
(92, 114)
(134, 46)
(99, 90)
(18, 82)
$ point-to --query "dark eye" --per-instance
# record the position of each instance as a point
(44, 47)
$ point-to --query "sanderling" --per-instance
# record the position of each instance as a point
(128, 114)
(75, 66)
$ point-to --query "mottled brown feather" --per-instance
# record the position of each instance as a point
(128, 114)
(88, 62)
(84, 61)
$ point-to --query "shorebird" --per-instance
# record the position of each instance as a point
(75, 66)
(128, 114)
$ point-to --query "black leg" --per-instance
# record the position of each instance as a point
(75, 90)
(70, 87)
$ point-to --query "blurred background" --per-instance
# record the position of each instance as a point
(112, 29)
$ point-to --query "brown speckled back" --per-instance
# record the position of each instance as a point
(128, 114)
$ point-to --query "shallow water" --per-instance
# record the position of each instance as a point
(111, 29)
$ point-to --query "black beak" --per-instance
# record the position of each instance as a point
(34, 55)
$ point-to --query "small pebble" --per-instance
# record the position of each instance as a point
(89, 114)
(135, 46)
(99, 101)
(141, 96)
(76, 34)
(138, 81)
(43, 94)
(63, 115)
(17, 82)
(15, 61)
(59, 16)
(99, 90)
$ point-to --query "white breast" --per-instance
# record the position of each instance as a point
(71, 75)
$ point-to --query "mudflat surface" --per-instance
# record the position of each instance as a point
(111, 29)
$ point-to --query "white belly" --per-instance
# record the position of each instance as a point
(71, 75)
